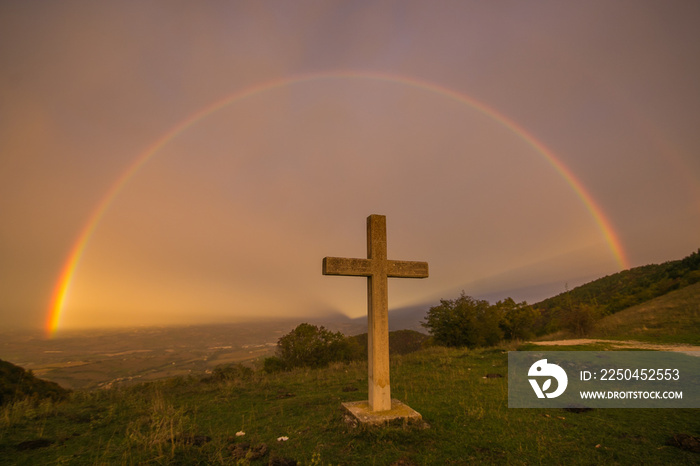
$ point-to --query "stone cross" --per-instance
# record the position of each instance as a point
(377, 268)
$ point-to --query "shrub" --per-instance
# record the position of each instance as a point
(311, 346)
(273, 364)
(229, 373)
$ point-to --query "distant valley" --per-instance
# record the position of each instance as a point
(103, 359)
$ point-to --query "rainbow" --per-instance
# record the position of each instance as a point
(63, 284)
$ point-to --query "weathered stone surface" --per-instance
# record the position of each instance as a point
(377, 268)
(399, 413)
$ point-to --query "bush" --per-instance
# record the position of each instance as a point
(273, 364)
(229, 373)
(312, 346)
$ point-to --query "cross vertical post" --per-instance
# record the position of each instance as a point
(378, 316)
(377, 268)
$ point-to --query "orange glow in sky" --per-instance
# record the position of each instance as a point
(184, 164)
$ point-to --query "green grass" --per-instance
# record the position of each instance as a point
(469, 418)
(600, 346)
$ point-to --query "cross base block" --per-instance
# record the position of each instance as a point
(399, 413)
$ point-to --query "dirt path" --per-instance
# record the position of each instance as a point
(621, 344)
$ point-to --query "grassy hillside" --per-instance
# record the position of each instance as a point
(16, 383)
(190, 421)
(619, 291)
(672, 318)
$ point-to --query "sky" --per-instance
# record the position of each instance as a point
(192, 162)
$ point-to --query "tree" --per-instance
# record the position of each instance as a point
(312, 346)
(580, 320)
(517, 319)
(464, 321)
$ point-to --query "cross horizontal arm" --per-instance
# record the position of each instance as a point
(343, 266)
(407, 269)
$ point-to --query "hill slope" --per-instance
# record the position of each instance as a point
(622, 290)
(16, 383)
(673, 317)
